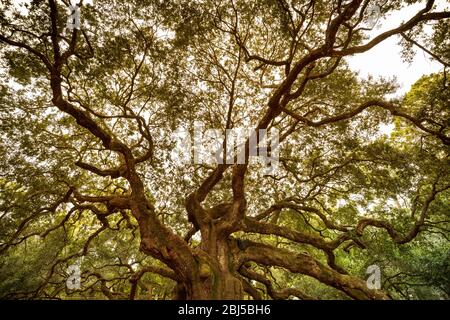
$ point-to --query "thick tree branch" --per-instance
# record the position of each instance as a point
(393, 233)
(276, 295)
(305, 264)
(378, 103)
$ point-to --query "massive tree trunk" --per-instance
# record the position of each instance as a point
(216, 272)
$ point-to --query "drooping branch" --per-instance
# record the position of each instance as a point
(414, 42)
(307, 265)
(27, 47)
(254, 226)
(397, 236)
(251, 225)
(276, 295)
(152, 269)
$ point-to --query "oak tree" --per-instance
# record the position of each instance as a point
(88, 177)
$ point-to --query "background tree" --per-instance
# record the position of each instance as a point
(87, 176)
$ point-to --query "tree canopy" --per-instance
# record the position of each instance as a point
(88, 177)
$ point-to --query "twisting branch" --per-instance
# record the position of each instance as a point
(276, 295)
(113, 173)
(307, 265)
(393, 233)
(152, 269)
(52, 208)
(414, 42)
(421, 16)
(372, 103)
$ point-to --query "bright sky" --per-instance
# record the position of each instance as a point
(385, 58)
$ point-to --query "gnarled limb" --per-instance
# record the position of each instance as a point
(307, 265)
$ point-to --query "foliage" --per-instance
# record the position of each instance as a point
(87, 175)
